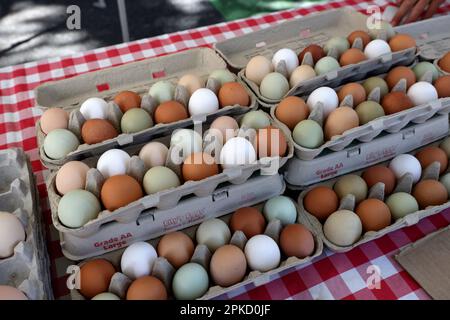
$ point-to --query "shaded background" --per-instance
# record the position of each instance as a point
(36, 29)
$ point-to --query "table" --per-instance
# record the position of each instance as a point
(331, 276)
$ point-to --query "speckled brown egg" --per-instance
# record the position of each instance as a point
(317, 53)
(296, 241)
(97, 130)
(428, 155)
(119, 191)
(95, 276)
(401, 42)
(127, 100)
(249, 220)
(354, 89)
(228, 265)
(147, 288)
(365, 37)
(170, 111)
(233, 93)
(176, 247)
(199, 166)
(374, 214)
(383, 174)
(291, 110)
(352, 56)
(444, 62)
(442, 85)
(270, 142)
(340, 120)
(430, 193)
(321, 202)
(395, 102)
(398, 73)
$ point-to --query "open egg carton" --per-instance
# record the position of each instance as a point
(138, 77)
(404, 184)
(297, 34)
(164, 271)
(392, 123)
(28, 269)
(299, 174)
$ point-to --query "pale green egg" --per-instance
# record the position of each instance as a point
(341, 45)
(162, 91)
(274, 86)
(281, 208)
(325, 65)
(308, 134)
(190, 282)
(445, 145)
(255, 119)
(78, 207)
(223, 76)
(135, 120)
(376, 82)
(160, 178)
(445, 180)
(59, 143)
(401, 204)
(423, 67)
(368, 111)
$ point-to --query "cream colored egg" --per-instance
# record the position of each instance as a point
(257, 68)
(343, 228)
(191, 82)
(300, 74)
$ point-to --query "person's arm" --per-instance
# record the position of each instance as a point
(415, 9)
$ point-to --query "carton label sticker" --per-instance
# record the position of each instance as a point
(188, 218)
(329, 171)
(114, 242)
(158, 74)
(377, 155)
(102, 87)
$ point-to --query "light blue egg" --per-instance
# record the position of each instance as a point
(308, 134)
(59, 143)
(325, 65)
(78, 207)
(190, 282)
(281, 208)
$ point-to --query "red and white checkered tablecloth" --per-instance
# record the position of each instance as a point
(332, 276)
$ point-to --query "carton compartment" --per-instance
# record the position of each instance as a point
(164, 271)
(404, 184)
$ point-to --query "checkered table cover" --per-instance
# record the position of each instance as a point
(331, 276)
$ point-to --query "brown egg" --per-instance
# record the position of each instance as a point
(374, 214)
(383, 174)
(127, 100)
(199, 166)
(359, 34)
(340, 120)
(147, 288)
(233, 93)
(170, 111)
(442, 85)
(444, 62)
(176, 247)
(352, 56)
(97, 130)
(395, 102)
(249, 220)
(119, 191)
(54, 118)
(291, 110)
(430, 193)
(317, 53)
(227, 126)
(95, 276)
(296, 241)
(398, 73)
(354, 89)
(270, 142)
(321, 202)
(428, 155)
(401, 42)
(228, 265)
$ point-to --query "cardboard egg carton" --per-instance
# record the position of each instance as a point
(300, 173)
(392, 123)
(139, 76)
(404, 184)
(155, 222)
(164, 271)
(28, 269)
(297, 34)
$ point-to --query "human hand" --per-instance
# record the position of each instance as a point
(415, 9)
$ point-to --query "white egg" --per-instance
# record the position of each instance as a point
(137, 260)
(422, 92)
(237, 151)
(203, 101)
(113, 162)
(188, 140)
(289, 57)
(262, 253)
(376, 48)
(94, 108)
(325, 95)
(343, 228)
(406, 163)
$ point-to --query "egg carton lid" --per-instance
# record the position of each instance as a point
(348, 202)
(29, 267)
(432, 36)
(299, 174)
(255, 278)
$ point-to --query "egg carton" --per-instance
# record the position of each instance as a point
(404, 184)
(301, 173)
(28, 269)
(297, 34)
(138, 77)
(155, 222)
(164, 271)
